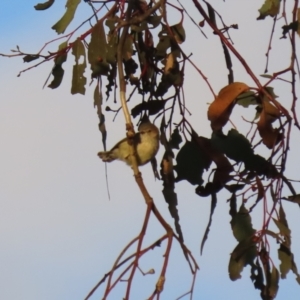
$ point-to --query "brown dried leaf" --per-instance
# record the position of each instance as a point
(269, 114)
(220, 109)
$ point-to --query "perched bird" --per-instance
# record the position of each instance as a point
(145, 141)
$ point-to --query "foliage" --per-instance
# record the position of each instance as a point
(132, 43)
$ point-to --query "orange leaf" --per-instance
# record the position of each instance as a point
(269, 114)
(219, 111)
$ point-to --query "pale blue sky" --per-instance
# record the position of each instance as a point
(59, 232)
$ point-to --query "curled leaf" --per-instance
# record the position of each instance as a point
(220, 109)
(269, 114)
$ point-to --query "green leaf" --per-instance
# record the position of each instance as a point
(284, 231)
(58, 71)
(97, 51)
(112, 48)
(266, 76)
(45, 5)
(273, 283)
(243, 254)
(163, 45)
(178, 32)
(68, 16)
(191, 163)
(246, 99)
(154, 20)
(111, 21)
(30, 57)
(234, 145)
(78, 79)
(211, 13)
(285, 257)
(98, 104)
(257, 275)
(127, 49)
(212, 209)
(241, 224)
(140, 27)
(270, 90)
(269, 8)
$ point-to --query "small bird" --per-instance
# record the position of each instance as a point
(146, 143)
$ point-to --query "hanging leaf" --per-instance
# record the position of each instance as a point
(78, 79)
(167, 175)
(127, 50)
(257, 276)
(211, 13)
(220, 109)
(241, 224)
(98, 105)
(97, 51)
(154, 21)
(68, 16)
(234, 145)
(191, 163)
(58, 71)
(269, 114)
(222, 173)
(139, 27)
(112, 47)
(284, 230)
(178, 33)
(163, 45)
(45, 5)
(246, 99)
(171, 76)
(269, 8)
(298, 21)
(273, 283)
(243, 254)
(212, 209)
(285, 257)
(168, 191)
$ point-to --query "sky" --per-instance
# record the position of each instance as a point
(59, 232)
